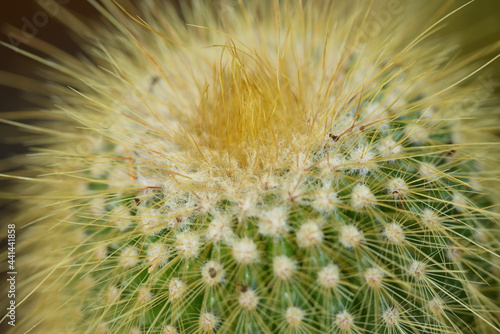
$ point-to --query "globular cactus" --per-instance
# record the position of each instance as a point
(261, 167)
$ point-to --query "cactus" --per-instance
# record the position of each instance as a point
(266, 168)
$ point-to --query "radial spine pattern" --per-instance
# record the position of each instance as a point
(262, 167)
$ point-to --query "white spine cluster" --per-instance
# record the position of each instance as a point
(209, 321)
(394, 233)
(129, 257)
(417, 270)
(397, 187)
(152, 221)
(248, 300)
(294, 316)
(101, 252)
(284, 267)
(388, 148)
(309, 234)
(329, 276)
(350, 236)
(362, 197)
(245, 251)
(363, 160)
(436, 305)
(176, 289)
(391, 317)
(325, 200)
(273, 223)
(430, 218)
(157, 255)
(169, 329)
(374, 277)
(219, 230)
(213, 273)
(188, 244)
(345, 321)
(112, 294)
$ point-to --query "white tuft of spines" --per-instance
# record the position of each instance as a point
(430, 218)
(363, 159)
(145, 181)
(329, 276)
(309, 234)
(87, 282)
(152, 221)
(157, 255)
(248, 300)
(284, 267)
(417, 270)
(374, 277)
(208, 201)
(344, 320)
(336, 164)
(294, 189)
(129, 257)
(294, 316)
(219, 230)
(350, 236)
(176, 289)
(394, 233)
(209, 321)
(391, 316)
(436, 305)
(325, 200)
(362, 197)
(188, 244)
(482, 235)
(429, 113)
(248, 204)
(169, 329)
(245, 251)
(268, 181)
(213, 273)
(388, 148)
(397, 187)
(273, 223)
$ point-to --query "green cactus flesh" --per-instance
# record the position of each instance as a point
(268, 172)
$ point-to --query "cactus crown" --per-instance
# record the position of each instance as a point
(266, 170)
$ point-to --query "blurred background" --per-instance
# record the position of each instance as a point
(474, 27)
(21, 14)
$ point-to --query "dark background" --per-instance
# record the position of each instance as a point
(15, 13)
(476, 26)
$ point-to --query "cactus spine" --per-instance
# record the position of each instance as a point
(264, 169)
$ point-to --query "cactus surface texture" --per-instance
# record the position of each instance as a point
(261, 167)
